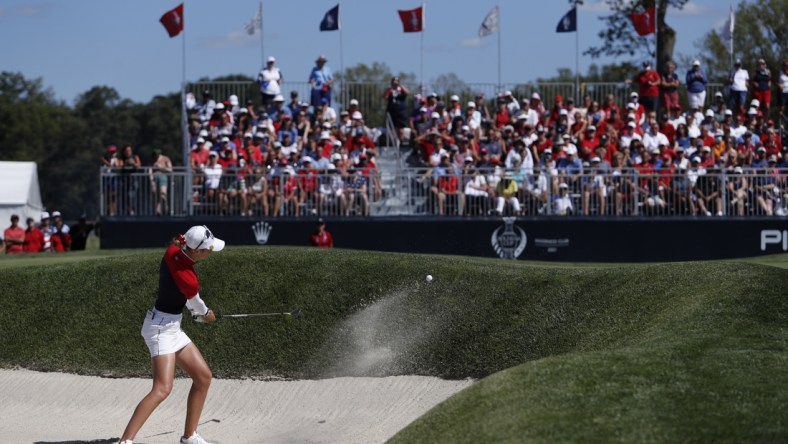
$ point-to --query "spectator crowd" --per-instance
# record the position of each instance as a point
(719, 155)
(51, 235)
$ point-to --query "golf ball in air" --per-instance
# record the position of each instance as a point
(429, 278)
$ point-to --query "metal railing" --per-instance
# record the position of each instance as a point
(443, 191)
(372, 100)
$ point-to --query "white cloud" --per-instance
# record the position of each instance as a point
(475, 42)
(31, 10)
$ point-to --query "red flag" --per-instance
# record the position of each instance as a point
(412, 19)
(173, 20)
(645, 22)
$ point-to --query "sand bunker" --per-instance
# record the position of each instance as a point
(49, 408)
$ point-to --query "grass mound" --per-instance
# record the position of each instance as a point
(673, 352)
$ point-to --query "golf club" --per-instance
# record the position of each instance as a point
(295, 312)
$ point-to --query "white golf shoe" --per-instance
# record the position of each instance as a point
(126, 441)
(194, 439)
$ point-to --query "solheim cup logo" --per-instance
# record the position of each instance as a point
(509, 241)
(261, 232)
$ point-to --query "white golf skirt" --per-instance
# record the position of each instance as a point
(162, 333)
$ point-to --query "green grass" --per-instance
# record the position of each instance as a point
(687, 352)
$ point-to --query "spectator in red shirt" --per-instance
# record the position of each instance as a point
(14, 237)
(321, 237)
(772, 142)
(502, 115)
(610, 106)
(34, 238)
(669, 83)
(648, 79)
(588, 143)
(307, 182)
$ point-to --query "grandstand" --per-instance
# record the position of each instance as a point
(601, 156)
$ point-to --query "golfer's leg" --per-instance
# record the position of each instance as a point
(191, 361)
(163, 375)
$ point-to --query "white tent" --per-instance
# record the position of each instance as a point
(19, 192)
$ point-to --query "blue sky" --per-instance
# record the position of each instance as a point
(76, 44)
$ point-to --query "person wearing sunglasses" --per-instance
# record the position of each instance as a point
(168, 344)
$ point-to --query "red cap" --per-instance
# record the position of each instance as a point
(559, 99)
(112, 148)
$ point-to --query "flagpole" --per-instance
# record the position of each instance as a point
(423, 30)
(577, 57)
(499, 47)
(262, 36)
(343, 96)
(184, 128)
(262, 47)
(731, 27)
(656, 36)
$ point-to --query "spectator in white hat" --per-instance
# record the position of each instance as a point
(696, 86)
(473, 116)
(738, 79)
(270, 79)
(169, 346)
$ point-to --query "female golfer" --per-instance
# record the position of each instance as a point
(169, 346)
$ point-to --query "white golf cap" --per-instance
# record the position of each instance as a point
(353, 102)
(455, 98)
(271, 59)
(710, 113)
(279, 98)
(696, 63)
(199, 237)
(44, 215)
(471, 104)
(435, 115)
(56, 214)
(356, 115)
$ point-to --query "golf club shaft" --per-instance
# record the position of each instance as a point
(251, 315)
(295, 312)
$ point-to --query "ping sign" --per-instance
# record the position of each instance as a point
(774, 237)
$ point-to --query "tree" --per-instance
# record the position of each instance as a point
(367, 83)
(619, 37)
(448, 84)
(66, 142)
(759, 33)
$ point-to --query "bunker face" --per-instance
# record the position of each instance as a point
(61, 407)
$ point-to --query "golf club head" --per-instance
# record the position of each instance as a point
(295, 312)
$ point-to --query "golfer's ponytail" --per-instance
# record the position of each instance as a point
(179, 241)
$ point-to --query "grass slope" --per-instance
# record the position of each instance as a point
(674, 352)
